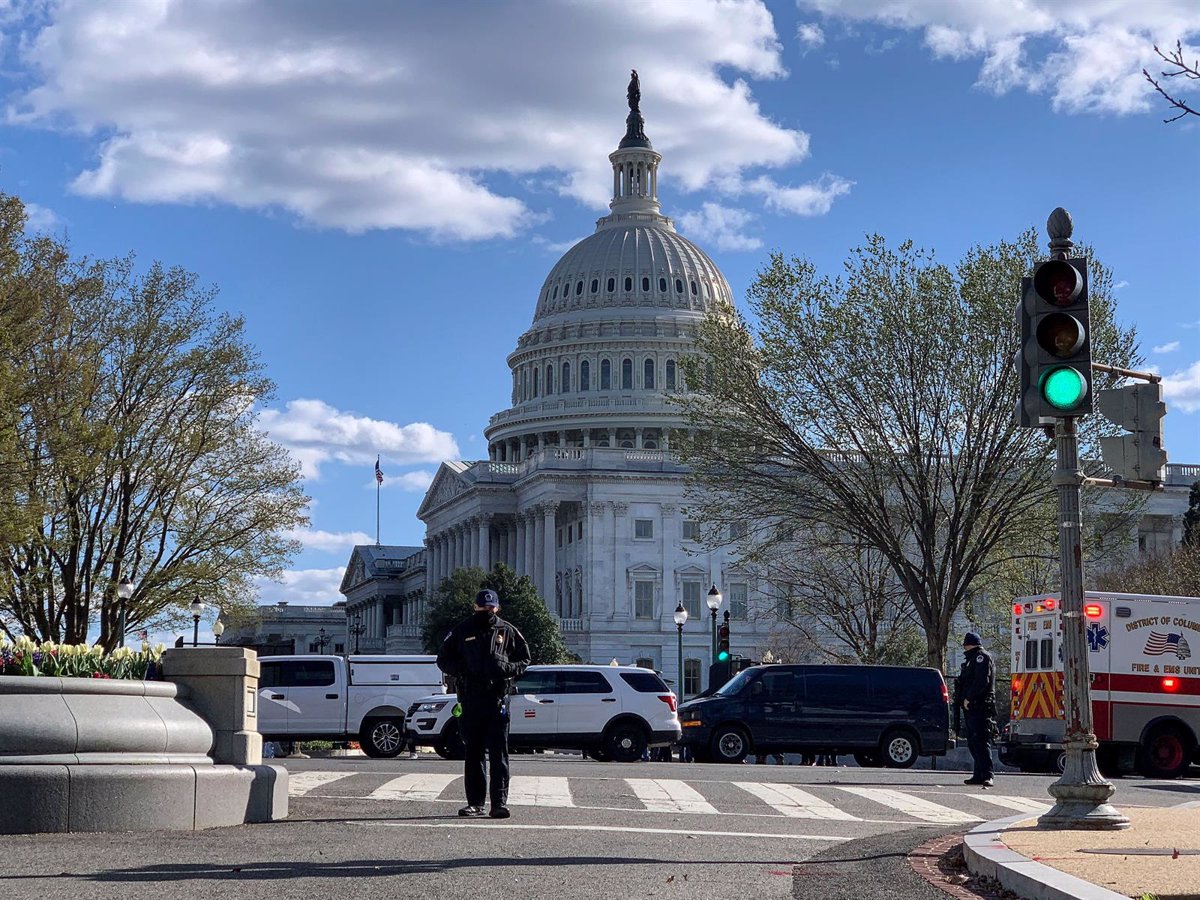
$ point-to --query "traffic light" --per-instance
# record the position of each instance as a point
(1055, 359)
(718, 674)
(1138, 408)
(723, 642)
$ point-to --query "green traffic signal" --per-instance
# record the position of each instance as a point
(723, 656)
(1064, 388)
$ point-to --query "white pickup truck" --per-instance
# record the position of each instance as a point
(336, 698)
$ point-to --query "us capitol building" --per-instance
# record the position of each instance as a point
(580, 490)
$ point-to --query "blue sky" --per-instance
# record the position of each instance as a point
(380, 189)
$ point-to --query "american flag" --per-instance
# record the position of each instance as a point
(1161, 644)
(378, 472)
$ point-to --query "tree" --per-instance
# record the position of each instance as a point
(134, 450)
(1178, 67)
(520, 604)
(1191, 518)
(1175, 573)
(880, 406)
(841, 597)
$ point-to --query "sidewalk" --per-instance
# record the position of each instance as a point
(1157, 856)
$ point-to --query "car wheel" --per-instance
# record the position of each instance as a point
(1058, 762)
(451, 745)
(1166, 752)
(625, 742)
(867, 760)
(730, 744)
(899, 749)
(382, 738)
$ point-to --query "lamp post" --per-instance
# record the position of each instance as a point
(218, 630)
(681, 616)
(357, 629)
(197, 609)
(322, 641)
(124, 592)
(714, 603)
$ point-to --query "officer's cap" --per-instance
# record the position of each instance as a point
(489, 598)
(971, 639)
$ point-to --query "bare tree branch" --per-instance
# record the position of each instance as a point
(1192, 71)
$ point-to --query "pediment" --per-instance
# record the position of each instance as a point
(691, 571)
(356, 572)
(447, 484)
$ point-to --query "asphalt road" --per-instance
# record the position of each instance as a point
(580, 829)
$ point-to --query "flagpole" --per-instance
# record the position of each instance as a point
(378, 485)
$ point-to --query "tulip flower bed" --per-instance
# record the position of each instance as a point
(26, 657)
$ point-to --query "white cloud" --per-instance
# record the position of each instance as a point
(1169, 347)
(303, 587)
(1182, 389)
(417, 481)
(810, 36)
(1086, 55)
(315, 432)
(1121, 285)
(39, 219)
(397, 115)
(812, 199)
(329, 541)
(721, 225)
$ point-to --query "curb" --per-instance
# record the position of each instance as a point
(986, 854)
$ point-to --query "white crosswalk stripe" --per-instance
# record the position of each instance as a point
(913, 806)
(300, 783)
(414, 787)
(794, 802)
(669, 795)
(530, 790)
(1020, 804)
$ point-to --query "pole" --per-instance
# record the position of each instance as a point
(679, 628)
(713, 653)
(377, 486)
(195, 631)
(1082, 793)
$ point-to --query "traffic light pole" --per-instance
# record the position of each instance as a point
(1082, 793)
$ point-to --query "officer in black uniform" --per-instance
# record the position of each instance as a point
(485, 655)
(976, 693)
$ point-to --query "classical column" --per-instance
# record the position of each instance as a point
(549, 557)
(485, 531)
(522, 565)
(637, 439)
(429, 545)
(537, 550)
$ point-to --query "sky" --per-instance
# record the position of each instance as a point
(380, 189)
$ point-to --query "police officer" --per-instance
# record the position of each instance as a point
(485, 655)
(976, 693)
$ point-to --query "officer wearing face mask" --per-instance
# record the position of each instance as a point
(977, 693)
(485, 655)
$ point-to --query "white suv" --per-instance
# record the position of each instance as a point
(609, 712)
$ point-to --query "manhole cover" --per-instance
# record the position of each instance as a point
(1143, 851)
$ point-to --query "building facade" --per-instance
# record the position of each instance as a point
(281, 628)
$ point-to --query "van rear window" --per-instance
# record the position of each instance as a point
(645, 682)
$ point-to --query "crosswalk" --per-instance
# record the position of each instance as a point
(843, 803)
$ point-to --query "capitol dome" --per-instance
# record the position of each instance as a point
(613, 319)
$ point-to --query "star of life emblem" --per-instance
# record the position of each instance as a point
(1097, 637)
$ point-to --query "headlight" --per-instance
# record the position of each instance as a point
(432, 707)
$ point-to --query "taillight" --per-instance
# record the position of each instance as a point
(1017, 609)
(1016, 685)
(1093, 610)
(1170, 684)
(668, 699)
(945, 693)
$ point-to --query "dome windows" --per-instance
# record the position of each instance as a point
(694, 288)
(535, 381)
(549, 379)
(612, 284)
(646, 283)
(627, 374)
(679, 285)
(585, 376)
(565, 385)
(605, 375)
(628, 283)
(555, 297)
(662, 284)
(670, 385)
(596, 285)
(648, 375)
(579, 287)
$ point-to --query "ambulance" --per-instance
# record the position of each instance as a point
(1145, 683)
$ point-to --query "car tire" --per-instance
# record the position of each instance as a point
(899, 749)
(382, 738)
(1166, 752)
(868, 760)
(625, 742)
(730, 744)
(451, 744)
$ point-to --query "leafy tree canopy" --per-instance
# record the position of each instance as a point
(880, 404)
(128, 446)
(519, 604)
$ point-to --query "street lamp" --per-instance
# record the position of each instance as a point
(197, 609)
(357, 629)
(124, 592)
(680, 620)
(714, 603)
(322, 641)
(218, 630)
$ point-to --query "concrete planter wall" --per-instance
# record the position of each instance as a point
(83, 754)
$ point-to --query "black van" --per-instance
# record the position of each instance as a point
(884, 715)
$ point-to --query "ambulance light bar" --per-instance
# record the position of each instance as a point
(1093, 610)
